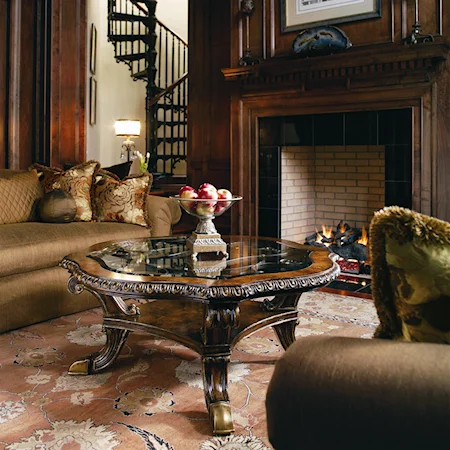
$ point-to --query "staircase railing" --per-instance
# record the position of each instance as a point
(157, 55)
(171, 131)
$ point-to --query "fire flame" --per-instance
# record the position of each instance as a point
(326, 232)
(364, 239)
(342, 228)
(318, 236)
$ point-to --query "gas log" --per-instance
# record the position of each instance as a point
(348, 242)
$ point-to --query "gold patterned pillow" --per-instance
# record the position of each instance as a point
(20, 193)
(121, 200)
(77, 181)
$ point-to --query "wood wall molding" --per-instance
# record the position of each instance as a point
(380, 60)
(42, 82)
(4, 14)
(68, 85)
(22, 84)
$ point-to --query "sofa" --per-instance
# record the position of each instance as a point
(393, 391)
(33, 288)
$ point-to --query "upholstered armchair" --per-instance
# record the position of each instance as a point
(389, 392)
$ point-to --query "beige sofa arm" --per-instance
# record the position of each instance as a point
(162, 213)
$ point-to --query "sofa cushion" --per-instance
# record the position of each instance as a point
(34, 245)
(77, 180)
(20, 192)
(122, 200)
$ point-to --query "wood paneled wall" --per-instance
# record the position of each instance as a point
(42, 82)
(267, 41)
(209, 105)
(4, 14)
(379, 71)
(68, 82)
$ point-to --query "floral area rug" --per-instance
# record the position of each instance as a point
(152, 397)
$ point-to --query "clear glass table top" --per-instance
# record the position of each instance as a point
(170, 257)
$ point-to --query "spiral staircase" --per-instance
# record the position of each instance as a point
(158, 56)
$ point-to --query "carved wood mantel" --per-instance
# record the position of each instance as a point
(391, 63)
(386, 76)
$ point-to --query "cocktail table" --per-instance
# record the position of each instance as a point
(207, 304)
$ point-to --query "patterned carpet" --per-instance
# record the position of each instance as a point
(152, 398)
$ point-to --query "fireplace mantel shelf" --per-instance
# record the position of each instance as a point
(380, 58)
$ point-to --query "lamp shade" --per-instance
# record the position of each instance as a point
(126, 127)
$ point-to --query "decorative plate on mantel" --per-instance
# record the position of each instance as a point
(320, 41)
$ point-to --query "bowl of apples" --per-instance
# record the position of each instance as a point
(205, 203)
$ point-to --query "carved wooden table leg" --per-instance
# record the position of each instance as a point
(219, 319)
(115, 340)
(113, 306)
(285, 331)
(215, 382)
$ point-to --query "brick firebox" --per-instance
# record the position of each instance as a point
(321, 185)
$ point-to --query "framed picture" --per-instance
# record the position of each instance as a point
(92, 101)
(93, 49)
(302, 14)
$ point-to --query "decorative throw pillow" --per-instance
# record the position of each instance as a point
(121, 170)
(20, 193)
(77, 181)
(411, 275)
(121, 200)
(57, 206)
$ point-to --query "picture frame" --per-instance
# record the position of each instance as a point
(92, 101)
(302, 14)
(93, 50)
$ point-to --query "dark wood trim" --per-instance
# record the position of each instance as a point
(68, 82)
(41, 150)
(4, 58)
(22, 83)
(381, 58)
(42, 82)
(441, 140)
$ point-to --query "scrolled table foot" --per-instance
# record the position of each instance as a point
(80, 367)
(221, 418)
(96, 362)
(215, 384)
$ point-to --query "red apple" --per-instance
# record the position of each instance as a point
(208, 194)
(204, 209)
(223, 194)
(184, 189)
(188, 194)
(207, 186)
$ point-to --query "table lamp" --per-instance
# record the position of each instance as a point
(129, 129)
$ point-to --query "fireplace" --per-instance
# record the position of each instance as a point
(317, 170)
